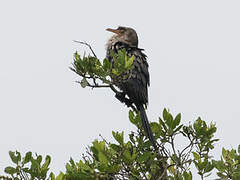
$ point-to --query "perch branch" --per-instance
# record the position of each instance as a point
(86, 44)
(95, 85)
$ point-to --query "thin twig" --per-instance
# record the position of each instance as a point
(165, 170)
(5, 178)
(114, 89)
(145, 176)
(104, 139)
(88, 45)
(95, 86)
(94, 80)
(172, 144)
(188, 146)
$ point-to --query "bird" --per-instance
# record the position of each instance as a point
(135, 87)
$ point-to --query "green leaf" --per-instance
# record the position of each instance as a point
(115, 72)
(156, 129)
(84, 166)
(165, 114)
(132, 118)
(106, 64)
(196, 156)
(232, 154)
(47, 162)
(78, 64)
(15, 158)
(60, 176)
(143, 157)
(27, 158)
(115, 147)
(177, 120)
(84, 83)
(162, 124)
(52, 176)
(168, 120)
(39, 159)
(112, 54)
(219, 165)
(118, 137)
(178, 128)
(209, 167)
(131, 137)
(76, 55)
(224, 153)
(221, 175)
(127, 155)
(35, 164)
(102, 158)
(129, 62)
(72, 161)
(10, 170)
(114, 168)
(100, 146)
(121, 57)
(68, 167)
(187, 176)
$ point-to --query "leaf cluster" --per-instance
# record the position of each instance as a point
(28, 167)
(132, 157)
(136, 159)
(229, 165)
(95, 73)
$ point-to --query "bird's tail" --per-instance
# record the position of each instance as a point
(146, 125)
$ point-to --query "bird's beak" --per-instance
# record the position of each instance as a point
(113, 30)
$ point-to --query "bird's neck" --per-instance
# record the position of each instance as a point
(111, 42)
(115, 39)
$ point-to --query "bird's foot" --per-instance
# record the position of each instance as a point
(121, 97)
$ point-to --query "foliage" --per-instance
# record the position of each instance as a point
(28, 167)
(134, 157)
(91, 69)
(229, 165)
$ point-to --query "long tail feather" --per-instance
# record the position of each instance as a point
(146, 125)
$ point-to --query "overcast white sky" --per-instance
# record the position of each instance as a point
(193, 53)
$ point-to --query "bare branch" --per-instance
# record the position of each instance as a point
(165, 170)
(114, 89)
(172, 144)
(188, 146)
(95, 86)
(86, 44)
(104, 139)
(5, 178)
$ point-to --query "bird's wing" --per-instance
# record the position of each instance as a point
(136, 86)
(140, 75)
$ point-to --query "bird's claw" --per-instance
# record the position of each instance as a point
(121, 97)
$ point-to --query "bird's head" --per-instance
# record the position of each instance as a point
(126, 35)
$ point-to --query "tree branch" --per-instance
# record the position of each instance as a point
(86, 44)
(95, 86)
(165, 171)
(124, 100)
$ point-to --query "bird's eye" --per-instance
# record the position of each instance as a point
(121, 29)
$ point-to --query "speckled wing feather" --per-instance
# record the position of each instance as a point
(136, 85)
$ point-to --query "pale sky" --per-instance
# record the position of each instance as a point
(193, 54)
